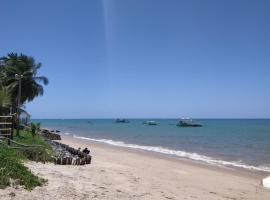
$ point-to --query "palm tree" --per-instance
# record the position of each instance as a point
(27, 68)
(5, 101)
(19, 75)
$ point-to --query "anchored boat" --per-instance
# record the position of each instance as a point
(187, 122)
(151, 123)
(121, 121)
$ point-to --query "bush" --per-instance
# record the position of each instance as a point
(13, 170)
(35, 154)
(35, 128)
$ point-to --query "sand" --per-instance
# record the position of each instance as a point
(120, 173)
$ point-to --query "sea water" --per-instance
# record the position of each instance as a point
(243, 143)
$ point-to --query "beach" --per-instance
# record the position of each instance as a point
(135, 100)
(122, 173)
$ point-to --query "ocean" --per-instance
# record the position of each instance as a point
(242, 143)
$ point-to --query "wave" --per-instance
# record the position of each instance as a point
(182, 154)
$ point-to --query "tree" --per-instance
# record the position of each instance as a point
(19, 74)
(35, 128)
(26, 66)
(5, 101)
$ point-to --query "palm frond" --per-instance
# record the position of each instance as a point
(43, 79)
(5, 100)
(24, 65)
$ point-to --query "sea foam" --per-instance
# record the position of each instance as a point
(182, 154)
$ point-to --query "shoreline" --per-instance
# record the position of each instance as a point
(70, 140)
(209, 151)
(122, 173)
(203, 160)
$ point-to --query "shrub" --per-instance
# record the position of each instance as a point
(35, 154)
(13, 170)
(35, 128)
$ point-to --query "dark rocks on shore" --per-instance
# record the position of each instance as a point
(66, 155)
(50, 135)
(73, 161)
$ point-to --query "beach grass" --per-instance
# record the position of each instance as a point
(27, 138)
(12, 169)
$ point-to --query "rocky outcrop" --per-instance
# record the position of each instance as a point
(66, 155)
(49, 135)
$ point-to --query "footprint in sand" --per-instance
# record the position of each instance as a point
(137, 179)
(169, 197)
(212, 192)
(12, 194)
(94, 194)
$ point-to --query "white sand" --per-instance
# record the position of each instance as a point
(117, 173)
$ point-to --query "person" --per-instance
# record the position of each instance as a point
(86, 151)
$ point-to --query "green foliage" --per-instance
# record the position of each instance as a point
(11, 165)
(35, 128)
(27, 138)
(5, 100)
(26, 66)
(13, 170)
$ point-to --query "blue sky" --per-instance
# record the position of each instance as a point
(145, 58)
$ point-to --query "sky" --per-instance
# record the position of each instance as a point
(144, 58)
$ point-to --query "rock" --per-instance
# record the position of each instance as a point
(49, 135)
(66, 155)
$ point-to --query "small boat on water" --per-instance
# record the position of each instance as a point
(121, 121)
(187, 122)
(151, 123)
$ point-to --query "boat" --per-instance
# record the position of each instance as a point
(187, 122)
(151, 123)
(121, 121)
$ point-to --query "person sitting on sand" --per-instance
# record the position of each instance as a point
(86, 151)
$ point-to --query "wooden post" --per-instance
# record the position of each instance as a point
(6, 127)
(12, 127)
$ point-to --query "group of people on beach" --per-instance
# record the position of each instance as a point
(86, 151)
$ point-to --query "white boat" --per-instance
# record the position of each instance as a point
(187, 122)
(151, 123)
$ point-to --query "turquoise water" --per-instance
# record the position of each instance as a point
(235, 142)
